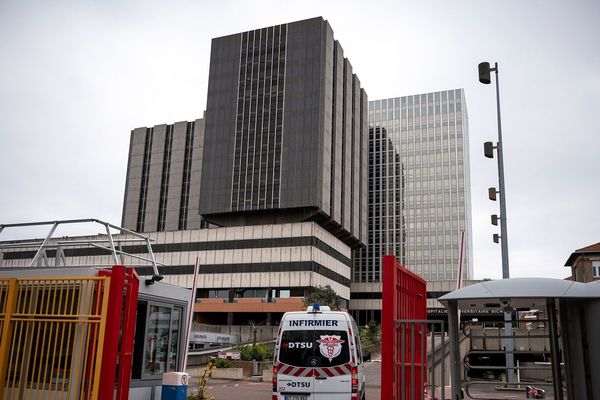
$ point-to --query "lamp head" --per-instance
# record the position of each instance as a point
(492, 193)
(488, 149)
(484, 73)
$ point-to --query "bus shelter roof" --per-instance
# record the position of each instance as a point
(520, 293)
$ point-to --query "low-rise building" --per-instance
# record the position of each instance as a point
(585, 263)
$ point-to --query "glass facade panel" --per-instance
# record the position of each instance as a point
(419, 186)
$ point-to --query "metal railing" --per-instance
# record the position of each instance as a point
(50, 247)
(490, 342)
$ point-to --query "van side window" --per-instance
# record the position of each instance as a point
(359, 352)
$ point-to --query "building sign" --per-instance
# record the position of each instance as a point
(212, 337)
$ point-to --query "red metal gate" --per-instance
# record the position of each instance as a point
(120, 328)
(404, 314)
(60, 336)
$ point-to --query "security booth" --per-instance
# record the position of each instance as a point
(560, 341)
(74, 324)
(161, 323)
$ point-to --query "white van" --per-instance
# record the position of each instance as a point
(318, 356)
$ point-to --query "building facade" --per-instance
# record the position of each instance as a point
(286, 132)
(419, 194)
(245, 273)
(162, 183)
(585, 263)
(282, 148)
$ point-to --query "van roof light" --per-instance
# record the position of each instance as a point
(317, 308)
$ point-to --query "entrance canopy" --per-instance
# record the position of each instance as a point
(520, 293)
(572, 306)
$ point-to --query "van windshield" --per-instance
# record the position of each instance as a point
(314, 348)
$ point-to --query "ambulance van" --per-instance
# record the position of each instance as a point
(318, 356)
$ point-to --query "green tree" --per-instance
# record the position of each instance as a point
(325, 296)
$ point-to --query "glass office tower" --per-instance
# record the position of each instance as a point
(419, 190)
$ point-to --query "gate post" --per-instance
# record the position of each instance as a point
(111, 335)
(129, 318)
(389, 301)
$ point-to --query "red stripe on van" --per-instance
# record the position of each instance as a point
(340, 371)
(288, 370)
(299, 371)
(328, 372)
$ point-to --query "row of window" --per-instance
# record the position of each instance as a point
(257, 169)
(164, 185)
(141, 217)
(187, 171)
(396, 102)
(195, 247)
(430, 113)
(251, 268)
(236, 293)
(147, 161)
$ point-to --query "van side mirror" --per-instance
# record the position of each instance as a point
(366, 355)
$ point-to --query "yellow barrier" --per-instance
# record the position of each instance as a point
(51, 337)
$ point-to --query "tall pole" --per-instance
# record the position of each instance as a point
(510, 378)
(484, 72)
(501, 187)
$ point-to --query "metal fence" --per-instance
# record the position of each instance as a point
(52, 336)
(420, 359)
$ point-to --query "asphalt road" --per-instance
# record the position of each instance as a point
(249, 390)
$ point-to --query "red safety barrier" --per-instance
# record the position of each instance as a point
(404, 310)
(120, 327)
(129, 319)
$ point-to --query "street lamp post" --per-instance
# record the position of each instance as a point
(484, 77)
(488, 148)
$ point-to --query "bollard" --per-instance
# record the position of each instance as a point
(174, 386)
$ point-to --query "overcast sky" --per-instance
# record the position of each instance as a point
(77, 76)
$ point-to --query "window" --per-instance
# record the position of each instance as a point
(156, 349)
(302, 348)
(596, 269)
